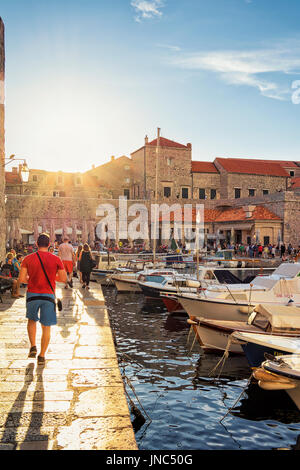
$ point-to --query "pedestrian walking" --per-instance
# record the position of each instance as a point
(77, 260)
(273, 251)
(39, 271)
(67, 255)
(86, 265)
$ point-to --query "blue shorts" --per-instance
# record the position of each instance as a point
(46, 309)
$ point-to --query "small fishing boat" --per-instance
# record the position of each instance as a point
(281, 373)
(265, 320)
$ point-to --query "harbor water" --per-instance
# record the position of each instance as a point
(186, 404)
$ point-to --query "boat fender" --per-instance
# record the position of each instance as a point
(276, 385)
(191, 322)
(269, 381)
(246, 310)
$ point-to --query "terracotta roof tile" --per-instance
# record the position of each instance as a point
(167, 143)
(252, 167)
(229, 215)
(204, 167)
(259, 213)
(283, 163)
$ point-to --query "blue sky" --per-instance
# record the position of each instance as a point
(87, 79)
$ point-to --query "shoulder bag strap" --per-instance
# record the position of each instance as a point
(45, 273)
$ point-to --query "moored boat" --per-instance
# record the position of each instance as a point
(266, 320)
(281, 373)
(256, 345)
(234, 301)
(129, 281)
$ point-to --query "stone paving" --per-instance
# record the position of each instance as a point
(77, 400)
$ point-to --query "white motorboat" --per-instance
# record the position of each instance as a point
(266, 320)
(235, 301)
(281, 373)
(188, 283)
(129, 281)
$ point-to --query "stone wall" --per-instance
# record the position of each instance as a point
(206, 181)
(2, 143)
(256, 182)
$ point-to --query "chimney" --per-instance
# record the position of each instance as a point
(93, 167)
(112, 159)
(14, 170)
(189, 146)
(158, 136)
(146, 140)
(249, 211)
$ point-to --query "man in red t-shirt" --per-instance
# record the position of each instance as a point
(40, 298)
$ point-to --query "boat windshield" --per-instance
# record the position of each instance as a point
(158, 279)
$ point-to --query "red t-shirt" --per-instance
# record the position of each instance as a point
(37, 282)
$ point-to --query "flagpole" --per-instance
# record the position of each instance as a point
(156, 194)
(197, 243)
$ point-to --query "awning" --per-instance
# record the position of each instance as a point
(25, 232)
(59, 231)
(236, 227)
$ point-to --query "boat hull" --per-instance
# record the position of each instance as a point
(295, 395)
(127, 286)
(213, 310)
(213, 340)
(100, 276)
(255, 353)
(172, 305)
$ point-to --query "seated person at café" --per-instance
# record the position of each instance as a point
(7, 271)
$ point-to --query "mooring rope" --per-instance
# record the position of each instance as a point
(223, 358)
(238, 399)
(133, 390)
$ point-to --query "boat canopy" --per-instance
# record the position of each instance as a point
(279, 316)
(287, 270)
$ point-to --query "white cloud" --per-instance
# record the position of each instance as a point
(147, 9)
(170, 47)
(252, 68)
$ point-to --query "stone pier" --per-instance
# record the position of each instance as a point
(77, 400)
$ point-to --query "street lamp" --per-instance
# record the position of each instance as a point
(24, 171)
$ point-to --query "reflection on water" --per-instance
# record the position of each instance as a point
(178, 391)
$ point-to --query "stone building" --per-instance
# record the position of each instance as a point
(2, 142)
(244, 199)
(115, 175)
(170, 161)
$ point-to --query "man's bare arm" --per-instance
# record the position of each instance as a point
(23, 276)
(62, 275)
